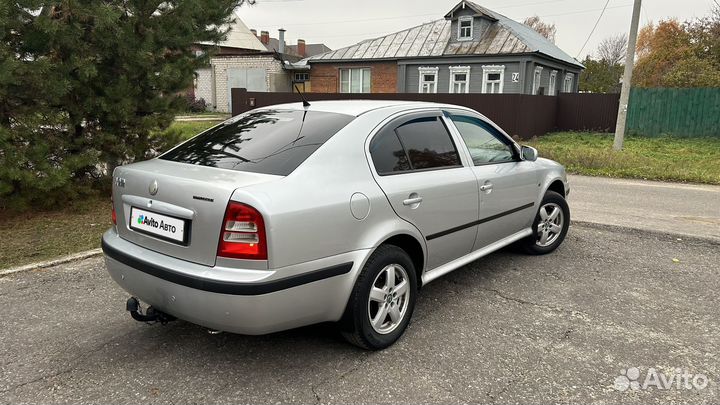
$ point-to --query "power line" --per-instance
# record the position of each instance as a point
(593, 30)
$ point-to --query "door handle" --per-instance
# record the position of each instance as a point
(412, 201)
(486, 187)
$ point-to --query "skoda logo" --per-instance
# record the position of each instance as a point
(153, 187)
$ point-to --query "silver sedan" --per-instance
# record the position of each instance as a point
(339, 211)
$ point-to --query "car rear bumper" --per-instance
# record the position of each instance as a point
(234, 300)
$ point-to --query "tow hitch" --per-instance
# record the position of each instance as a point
(150, 316)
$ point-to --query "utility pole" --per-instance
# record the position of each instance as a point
(627, 78)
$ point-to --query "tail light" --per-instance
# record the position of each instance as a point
(114, 215)
(243, 233)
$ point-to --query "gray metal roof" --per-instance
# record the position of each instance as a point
(504, 36)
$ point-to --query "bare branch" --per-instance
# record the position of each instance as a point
(613, 49)
(545, 29)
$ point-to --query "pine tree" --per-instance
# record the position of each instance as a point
(84, 85)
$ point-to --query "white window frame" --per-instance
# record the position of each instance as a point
(553, 83)
(490, 69)
(459, 29)
(362, 79)
(569, 88)
(427, 70)
(459, 70)
(537, 78)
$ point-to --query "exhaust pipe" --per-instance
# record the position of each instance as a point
(150, 316)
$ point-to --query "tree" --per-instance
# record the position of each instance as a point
(545, 29)
(613, 49)
(672, 54)
(600, 76)
(85, 85)
(705, 33)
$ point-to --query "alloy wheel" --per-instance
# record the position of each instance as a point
(389, 299)
(550, 224)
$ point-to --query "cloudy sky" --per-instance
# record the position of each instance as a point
(340, 23)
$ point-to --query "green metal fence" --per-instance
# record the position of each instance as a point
(682, 112)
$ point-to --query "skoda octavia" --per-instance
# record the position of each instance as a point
(338, 211)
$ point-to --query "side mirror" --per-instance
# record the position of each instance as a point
(529, 153)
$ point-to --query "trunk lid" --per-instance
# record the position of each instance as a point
(188, 199)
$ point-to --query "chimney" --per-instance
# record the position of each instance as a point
(301, 47)
(281, 41)
(254, 32)
(264, 37)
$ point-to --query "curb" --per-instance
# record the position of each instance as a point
(49, 263)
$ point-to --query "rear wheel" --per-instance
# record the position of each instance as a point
(550, 225)
(382, 300)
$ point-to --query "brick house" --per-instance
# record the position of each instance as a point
(251, 61)
(470, 50)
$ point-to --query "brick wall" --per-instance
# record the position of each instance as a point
(203, 86)
(221, 65)
(325, 77)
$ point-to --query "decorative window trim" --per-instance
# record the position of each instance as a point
(488, 69)
(571, 78)
(427, 70)
(459, 70)
(537, 78)
(459, 29)
(552, 85)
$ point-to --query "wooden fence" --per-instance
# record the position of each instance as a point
(518, 114)
(683, 112)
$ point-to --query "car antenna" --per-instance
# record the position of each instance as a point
(302, 96)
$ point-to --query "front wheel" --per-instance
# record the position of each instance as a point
(382, 300)
(550, 225)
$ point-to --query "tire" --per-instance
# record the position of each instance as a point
(357, 326)
(553, 225)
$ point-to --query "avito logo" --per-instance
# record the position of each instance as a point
(144, 220)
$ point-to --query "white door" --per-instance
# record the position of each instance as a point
(253, 79)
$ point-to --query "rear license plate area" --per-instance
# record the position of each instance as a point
(161, 226)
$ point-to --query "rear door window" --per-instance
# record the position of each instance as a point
(266, 141)
(428, 144)
(388, 154)
(416, 144)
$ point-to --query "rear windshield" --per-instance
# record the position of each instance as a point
(268, 141)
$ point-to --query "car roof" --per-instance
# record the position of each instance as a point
(359, 107)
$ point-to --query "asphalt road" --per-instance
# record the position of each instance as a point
(509, 328)
(685, 209)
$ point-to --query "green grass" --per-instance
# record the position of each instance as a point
(204, 114)
(35, 236)
(665, 158)
(187, 129)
